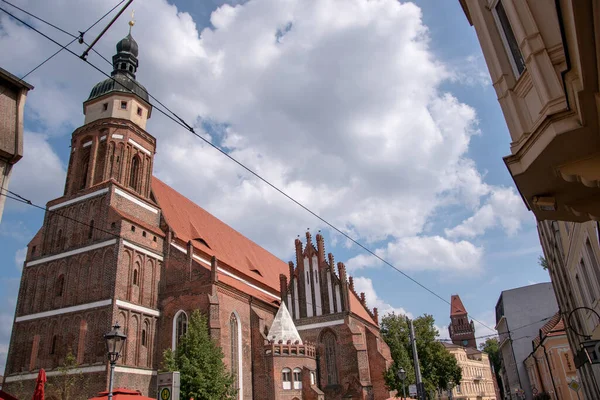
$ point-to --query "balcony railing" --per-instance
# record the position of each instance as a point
(290, 349)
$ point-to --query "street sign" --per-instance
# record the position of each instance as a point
(168, 386)
(575, 386)
(412, 390)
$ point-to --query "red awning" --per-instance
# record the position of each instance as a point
(122, 394)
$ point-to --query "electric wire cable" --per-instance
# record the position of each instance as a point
(180, 121)
(80, 37)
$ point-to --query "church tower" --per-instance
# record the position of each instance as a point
(97, 258)
(462, 332)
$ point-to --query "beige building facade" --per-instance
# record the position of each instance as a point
(550, 366)
(572, 254)
(477, 382)
(13, 93)
(542, 58)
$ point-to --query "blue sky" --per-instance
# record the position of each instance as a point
(378, 116)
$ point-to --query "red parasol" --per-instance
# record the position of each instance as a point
(38, 394)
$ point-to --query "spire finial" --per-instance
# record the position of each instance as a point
(132, 21)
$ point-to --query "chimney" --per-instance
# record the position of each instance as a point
(320, 248)
(214, 264)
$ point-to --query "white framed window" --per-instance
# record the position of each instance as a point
(312, 378)
(297, 378)
(508, 39)
(286, 378)
(180, 324)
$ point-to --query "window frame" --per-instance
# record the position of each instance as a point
(175, 338)
(123, 102)
(286, 378)
(509, 54)
(297, 383)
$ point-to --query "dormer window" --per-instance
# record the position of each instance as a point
(123, 105)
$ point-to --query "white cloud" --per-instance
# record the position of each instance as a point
(424, 253)
(39, 176)
(343, 112)
(502, 208)
(20, 257)
(362, 284)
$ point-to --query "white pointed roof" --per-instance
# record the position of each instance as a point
(283, 327)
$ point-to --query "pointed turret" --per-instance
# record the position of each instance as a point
(283, 328)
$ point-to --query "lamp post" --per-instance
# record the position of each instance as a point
(115, 340)
(402, 376)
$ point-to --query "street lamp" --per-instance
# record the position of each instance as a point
(402, 377)
(115, 340)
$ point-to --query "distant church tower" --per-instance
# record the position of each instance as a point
(462, 332)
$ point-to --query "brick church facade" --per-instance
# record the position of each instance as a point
(122, 246)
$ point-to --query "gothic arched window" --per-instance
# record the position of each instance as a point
(330, 358)
(135, 277)
(91, 230)
(134, 173)
(85, 163)
(297, 378)
(180, 323)
(144, 334)
(235, 354)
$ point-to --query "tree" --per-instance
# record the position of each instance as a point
(492, 348)
(199, 361)
(68, 384)
(543, 262)
(438, 366)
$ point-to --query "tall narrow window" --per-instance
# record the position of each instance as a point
(179, 328)
(330, 358)
(60, 285)
(510, 42)
(85, 163)
(588, 282)
(297, 378)
(134, 173)
(144, 336)
(286, 378)
(59, 241)
(135, 277)
(233, 333)
(53, 345)
(91, 230)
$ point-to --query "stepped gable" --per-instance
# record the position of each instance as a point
(456, 306)
(212, 236)
(283, 328)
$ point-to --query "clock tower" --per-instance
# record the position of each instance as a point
(462, 331)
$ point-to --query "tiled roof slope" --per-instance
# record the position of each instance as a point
(357, 308)
(554, 327)
(189, 222)
(456, 306)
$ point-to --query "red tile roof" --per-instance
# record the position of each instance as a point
(189, 221)
(554, 327)
(357, 308)
(456, 306)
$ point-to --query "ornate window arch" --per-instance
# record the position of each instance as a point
(235, 330)
(180, 324)
(329, 341)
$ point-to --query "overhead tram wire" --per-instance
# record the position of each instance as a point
(181, 122)
(75, 37)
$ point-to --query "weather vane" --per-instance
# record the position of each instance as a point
(132, 21)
